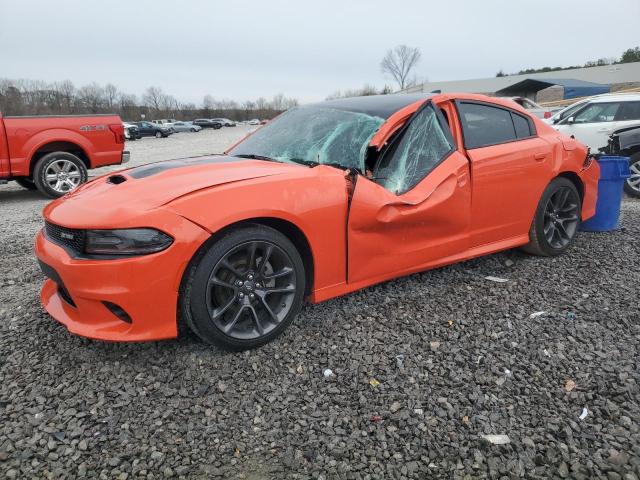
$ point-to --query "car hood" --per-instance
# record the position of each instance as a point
(129, 192)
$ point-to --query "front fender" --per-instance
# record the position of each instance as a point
(316, 205)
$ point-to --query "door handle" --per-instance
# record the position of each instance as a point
(462, 179)
(540, 156)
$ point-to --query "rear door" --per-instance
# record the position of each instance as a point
(628, 115)
(509, 170)
(415, 209)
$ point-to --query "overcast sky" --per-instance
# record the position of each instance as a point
(243, 49)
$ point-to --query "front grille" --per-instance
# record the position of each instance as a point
(66, 237)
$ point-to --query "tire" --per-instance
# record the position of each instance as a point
(194, 130)
(557, 219)
(56, 163)
(159, 135)
(632, 184)
(254, 304)
(26, 183)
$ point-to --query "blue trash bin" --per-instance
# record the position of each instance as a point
(614, 171)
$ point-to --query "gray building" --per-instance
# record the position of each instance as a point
(617, 77)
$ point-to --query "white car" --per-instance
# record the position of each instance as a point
(592, 120)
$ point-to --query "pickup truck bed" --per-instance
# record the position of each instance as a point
(53, 153)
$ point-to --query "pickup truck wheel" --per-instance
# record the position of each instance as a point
(26, 183)
(632, 184)
(58, 173)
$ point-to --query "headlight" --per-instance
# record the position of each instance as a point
(131, 241)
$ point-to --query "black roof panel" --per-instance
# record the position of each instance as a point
(382, 106)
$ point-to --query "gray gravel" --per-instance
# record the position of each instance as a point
(423, 367)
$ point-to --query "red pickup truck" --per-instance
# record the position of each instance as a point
(53, 153)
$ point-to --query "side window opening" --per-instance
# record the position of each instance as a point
(416, 150)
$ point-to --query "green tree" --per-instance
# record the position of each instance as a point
(631, 55)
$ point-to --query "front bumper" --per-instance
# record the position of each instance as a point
(126, 156)
(80, 293)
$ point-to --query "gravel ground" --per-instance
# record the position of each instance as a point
(422, 367)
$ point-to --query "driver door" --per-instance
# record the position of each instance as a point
(416, 210)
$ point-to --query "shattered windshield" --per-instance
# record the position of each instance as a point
(313, 135)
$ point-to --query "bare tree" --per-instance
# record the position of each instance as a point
(111, 95)
(153, 98)
(399, 62)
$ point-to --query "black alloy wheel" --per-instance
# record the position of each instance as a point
(561, 217)
(246, 289)
(557, 219)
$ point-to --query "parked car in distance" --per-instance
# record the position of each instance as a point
(593, 120)
(324, 200)
(534, 108)
(254, 121)
(207, 123)
(53, 153)
(186, 127)
(626, 142)
(131, 131)
(149, 129)
(225, 122)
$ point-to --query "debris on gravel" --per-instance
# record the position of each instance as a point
(72, 407)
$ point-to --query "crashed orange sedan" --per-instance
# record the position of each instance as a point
(324, 200)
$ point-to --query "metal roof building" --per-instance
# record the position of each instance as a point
(571, 88)
(624, 74)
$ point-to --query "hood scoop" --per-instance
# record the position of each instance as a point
(116, 179)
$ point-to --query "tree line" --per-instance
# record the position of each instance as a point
(628, 56)
(36, 97)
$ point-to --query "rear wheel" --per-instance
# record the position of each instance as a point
(159, 135)
(26, 183)
(245, 289)
(58, 173)
(632, 184)
(557, 219)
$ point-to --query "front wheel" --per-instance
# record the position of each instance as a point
(194, 130)
(58, 173)
(557, 219)
(159, 135)
(245, 289)
(632, 184)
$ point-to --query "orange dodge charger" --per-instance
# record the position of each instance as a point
(324, 200)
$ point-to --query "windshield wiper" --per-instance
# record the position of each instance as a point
(253, 156)
(311, 163)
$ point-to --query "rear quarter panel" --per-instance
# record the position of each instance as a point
(26, 135)
(315, 202)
